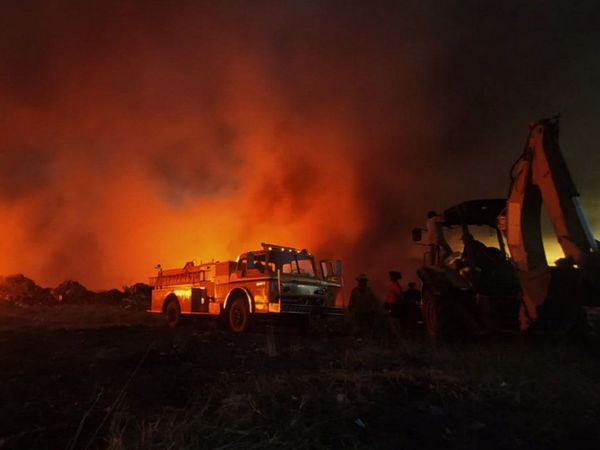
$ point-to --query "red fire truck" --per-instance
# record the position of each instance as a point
(274, 280)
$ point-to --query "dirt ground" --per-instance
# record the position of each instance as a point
(75, 385)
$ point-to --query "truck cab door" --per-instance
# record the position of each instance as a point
(332, 270)
(242, 266)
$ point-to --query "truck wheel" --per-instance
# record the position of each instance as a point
(238, 315)
(431, 319)
(173, 313)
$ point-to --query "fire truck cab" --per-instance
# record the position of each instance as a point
(274, 280)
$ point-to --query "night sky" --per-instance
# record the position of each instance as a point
(136, 133)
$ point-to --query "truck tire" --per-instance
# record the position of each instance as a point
(431, 315)
(238, 315)
(173, 313)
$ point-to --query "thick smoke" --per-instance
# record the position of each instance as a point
(136, 133)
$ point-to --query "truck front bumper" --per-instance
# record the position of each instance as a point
(290, 308)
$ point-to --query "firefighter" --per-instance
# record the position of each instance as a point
(395, 304)
(362, 306)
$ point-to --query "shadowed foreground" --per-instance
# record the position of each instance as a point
(68, 382)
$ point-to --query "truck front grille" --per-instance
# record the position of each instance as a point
(311, 309)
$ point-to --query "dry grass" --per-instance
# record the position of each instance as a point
(499, 395)
(72, 316)
(328, 390)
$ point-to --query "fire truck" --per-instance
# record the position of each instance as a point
(276, 280)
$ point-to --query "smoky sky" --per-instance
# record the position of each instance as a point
(137, 132)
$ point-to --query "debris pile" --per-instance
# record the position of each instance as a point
(72, 292)
(22, 291)
(18, 290)
(137, 297)
(111, 297)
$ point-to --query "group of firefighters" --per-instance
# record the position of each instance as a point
(402, 307)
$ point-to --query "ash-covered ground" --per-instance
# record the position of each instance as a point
(108, 375)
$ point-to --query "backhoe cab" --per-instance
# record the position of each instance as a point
(469, 283)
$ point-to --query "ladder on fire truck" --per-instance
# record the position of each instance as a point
(190, 274)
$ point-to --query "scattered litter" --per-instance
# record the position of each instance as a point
(303, 401)
(359, 423)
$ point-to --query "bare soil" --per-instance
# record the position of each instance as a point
(147, 386)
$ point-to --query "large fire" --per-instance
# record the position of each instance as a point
(164, 195)
(136, 135)
(127, 147)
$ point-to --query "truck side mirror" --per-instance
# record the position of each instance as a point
(339, 268)
(417, 234)
(250, 256)
(332, 268)
(325, 269)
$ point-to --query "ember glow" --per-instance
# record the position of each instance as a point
(136, 134)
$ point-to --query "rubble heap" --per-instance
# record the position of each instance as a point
(137, 297)
(72, 292)
(23, 291)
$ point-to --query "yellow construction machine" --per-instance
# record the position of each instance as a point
(500, 280)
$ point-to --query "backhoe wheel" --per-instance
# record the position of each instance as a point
(431, 317)
(238, 315)
(173, 313)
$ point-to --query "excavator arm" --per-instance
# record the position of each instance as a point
(541, 177)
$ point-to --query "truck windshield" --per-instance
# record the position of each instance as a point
(292, 262)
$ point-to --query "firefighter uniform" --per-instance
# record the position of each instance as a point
(363, 306)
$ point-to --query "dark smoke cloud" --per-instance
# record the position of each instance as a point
(23, 171)
(142, 132)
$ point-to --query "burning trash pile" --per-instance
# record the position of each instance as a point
(20, 291)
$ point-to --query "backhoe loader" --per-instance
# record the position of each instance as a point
(499, 279)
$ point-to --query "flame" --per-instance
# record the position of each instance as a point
(107, 215)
